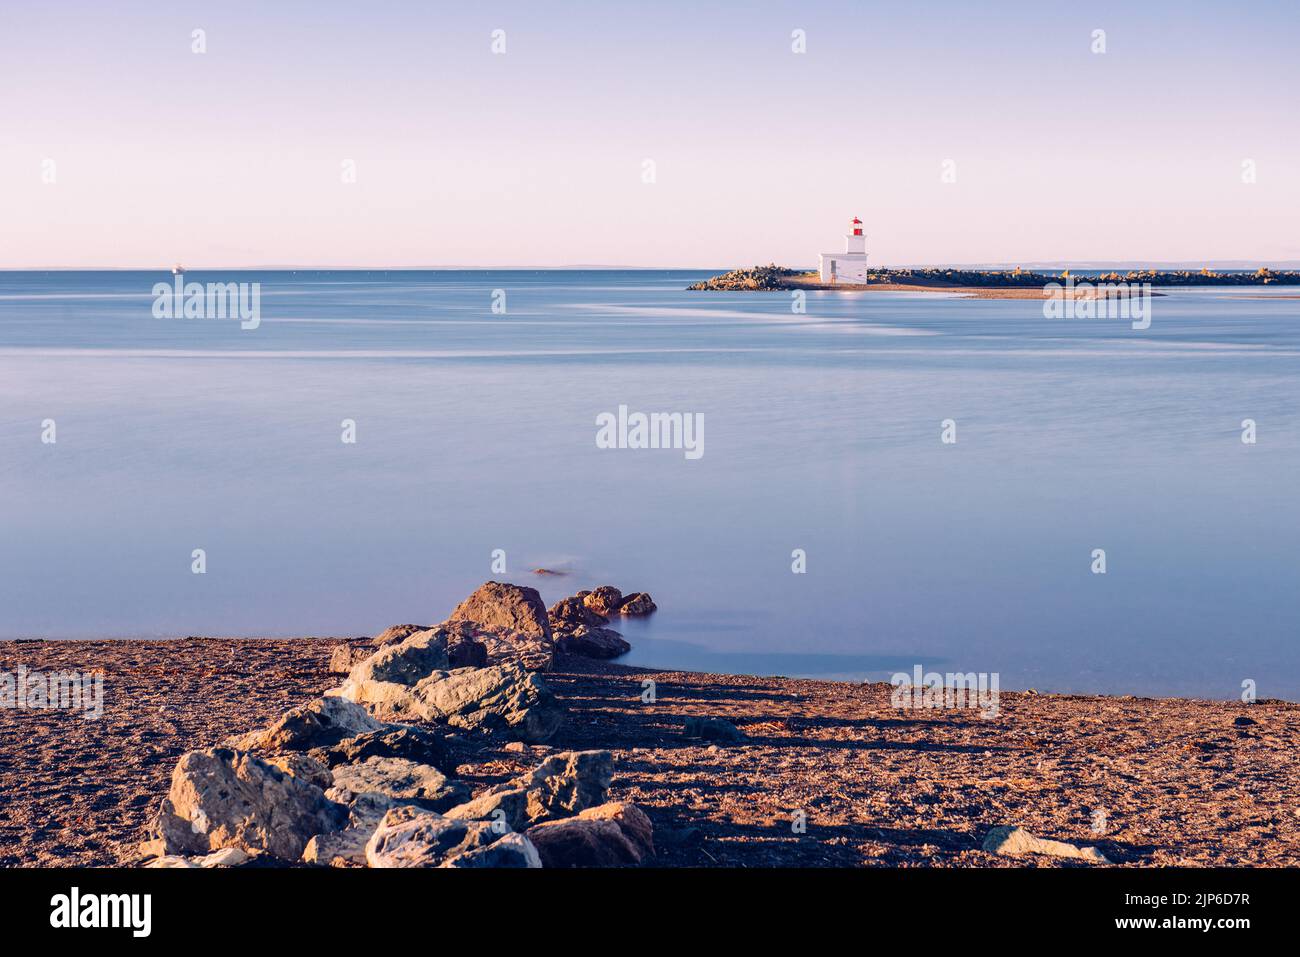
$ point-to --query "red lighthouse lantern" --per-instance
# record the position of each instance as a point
(857, 226)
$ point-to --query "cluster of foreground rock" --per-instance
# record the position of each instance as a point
(362, 776)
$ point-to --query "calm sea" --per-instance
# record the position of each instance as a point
(475, 431)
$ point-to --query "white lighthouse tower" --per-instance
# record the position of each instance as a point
(849, 266)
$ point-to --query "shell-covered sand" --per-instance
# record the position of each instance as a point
(1176, 781)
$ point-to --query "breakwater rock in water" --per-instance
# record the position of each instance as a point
(773, 278)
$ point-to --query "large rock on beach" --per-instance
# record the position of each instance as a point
(713, 729)
(414, 743)
(611, 835)
(411, 838)
(463, 648)
(517, 607)
(385, 680)
(400, 780)
(503, 698)
(227, 798)
(631, 820)
(499, 698)
(226, 857)
(562, 785)
(343, 658)
(1015, 841)
(320, 723)
(347, 847)
(566, 783)
(499, 646)
(406, 661)
(396, 633)
(301, 766)
(507, 805)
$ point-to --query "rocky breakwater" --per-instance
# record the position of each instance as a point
(761, 278)
(772, 278)
(365, 775)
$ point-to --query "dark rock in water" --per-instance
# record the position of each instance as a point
(568, 612)
(413, 743)
(578, 629)
(604, 600)
(512, 606)
(713, 729)
(591, 642)
(397, 633)
(639, 603)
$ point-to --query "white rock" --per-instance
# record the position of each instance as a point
(1014, 841)
(226, 857)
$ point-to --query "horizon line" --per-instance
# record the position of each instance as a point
(594, 267)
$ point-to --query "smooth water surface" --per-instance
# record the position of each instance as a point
(476, 431)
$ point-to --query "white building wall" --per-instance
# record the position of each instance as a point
(847, 268)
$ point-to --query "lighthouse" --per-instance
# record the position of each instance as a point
(849, 266)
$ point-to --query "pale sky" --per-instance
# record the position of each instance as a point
(535, 157)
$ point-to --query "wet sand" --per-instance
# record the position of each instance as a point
(1178, 782)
